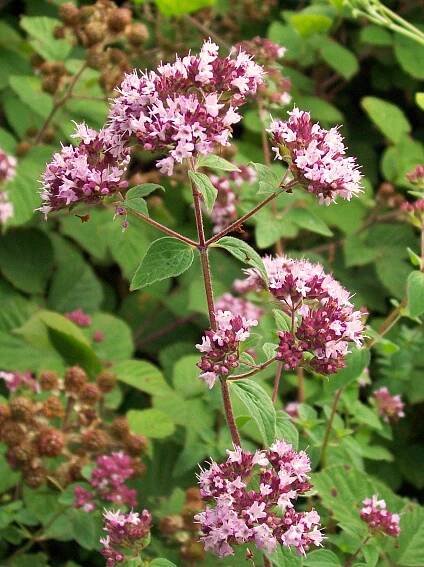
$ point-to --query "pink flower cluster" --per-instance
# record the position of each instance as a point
(238, 306)
(184, 108)
(416, 176)
(85, 173)
(108, 480)
(220, 347)
(254, 495)
(316, 157)
(414, 212)
(374, 512)
(224, 211)
(79, 317)
(7, 167)
(389, 407)
(126, 534)
(16, 380)
(324, 321)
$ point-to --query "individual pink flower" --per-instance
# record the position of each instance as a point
(252, 496)
(84, 499)
(7, 167)
(292, 409)
(85, 173)
(224, 211)
(6, 208)
(185, 108)
(389, 407)
(220, 348)
(16, 380)
(316, 157)
(324, 321)
(79, 317)
(126, 534)
(374, 512)
(98, 336)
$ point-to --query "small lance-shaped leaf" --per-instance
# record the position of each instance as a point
(259, 406)
(415, 293)
(165, 258)
(204, 185)
(216, 162)
(151, 422)
(143, 190)
(243, 252)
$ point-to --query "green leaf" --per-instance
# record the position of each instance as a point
(172, 8)
(243, 252)
(356, 362)
(86, 528)
(216, 162)
(285, 429)
(152, 423)
(307, 220)
(410, 55)
(375, 35)
(165, 258)
(388, 118)
(259, 405)
(342, 60)
(28, 90)
(307, 24)
(204, 185)
(408, 549)
(143, 376)
(143, 190)
(321, 558)
(41, 30)
(269, 180)
(137, 204)
(357, 252)
(186, 376)
(26, 259)
(117, 343)
(419, 99)
(415, 293)
(320, 109)
(161, 562)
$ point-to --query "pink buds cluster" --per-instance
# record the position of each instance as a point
(126, 535)
(414, 212)
(16, 380)
(79, 317)
(85, 173)
(184, 108)
(7, 167)
(416, 176)
(374, 512)
(224, 211)
(220, 347)
(253, 496)
(324, 321)
(389, 407)
(316, 157)
(108, 479)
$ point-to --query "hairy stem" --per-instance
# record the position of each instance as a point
(59, 103)
(300, 385)
(329, 427)
(229, 414)
(161, 227)
(277, 378)
(252, 372)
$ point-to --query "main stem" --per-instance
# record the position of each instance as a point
(277, 378)
(229, 414)
(330, 426)
(161, 227)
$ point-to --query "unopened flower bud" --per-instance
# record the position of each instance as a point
(50, 442)
(106, 381)
(21, 409)
(11, 432)
(48, 380)
(75, 378)
(119, 19)
(120, 427)
(90, 394)
(69, 13)
(135, 444)
(35, 476)
(94, 33)
(171, 524)
(53, 407)
(95, 440)
(137, 34)
(22, 453)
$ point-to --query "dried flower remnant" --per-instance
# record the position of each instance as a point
(224, 211)
(375, 513)
(79, 317)
(253, 497)
(316, 157)
(220, 348)
(185, 108)
(389, 407)
(126, 535)
(85, 173)
(324, 321)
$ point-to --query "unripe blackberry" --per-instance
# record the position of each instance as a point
(119, 427)
(95, 440)
(21, 409)
(11, 432)
(23, 148)
(171, 524)
(75, 378)
(90, 394)
(94, 33)
(35, 476)
(119, 19)
(137, 34)
(22, 453)
(50, 442)
(4, 412)
(48, 380)
(135, 444)
(192, 551)
(69, 13)
(53, 407)
(106, 381)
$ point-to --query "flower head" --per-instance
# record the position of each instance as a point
(220, 347)
(79, 317)
(389, 407)
(7, 167)
(85, 173)
(125, 533)
(184, 108)
(253, 497)
(316, 157)
(374, 512)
